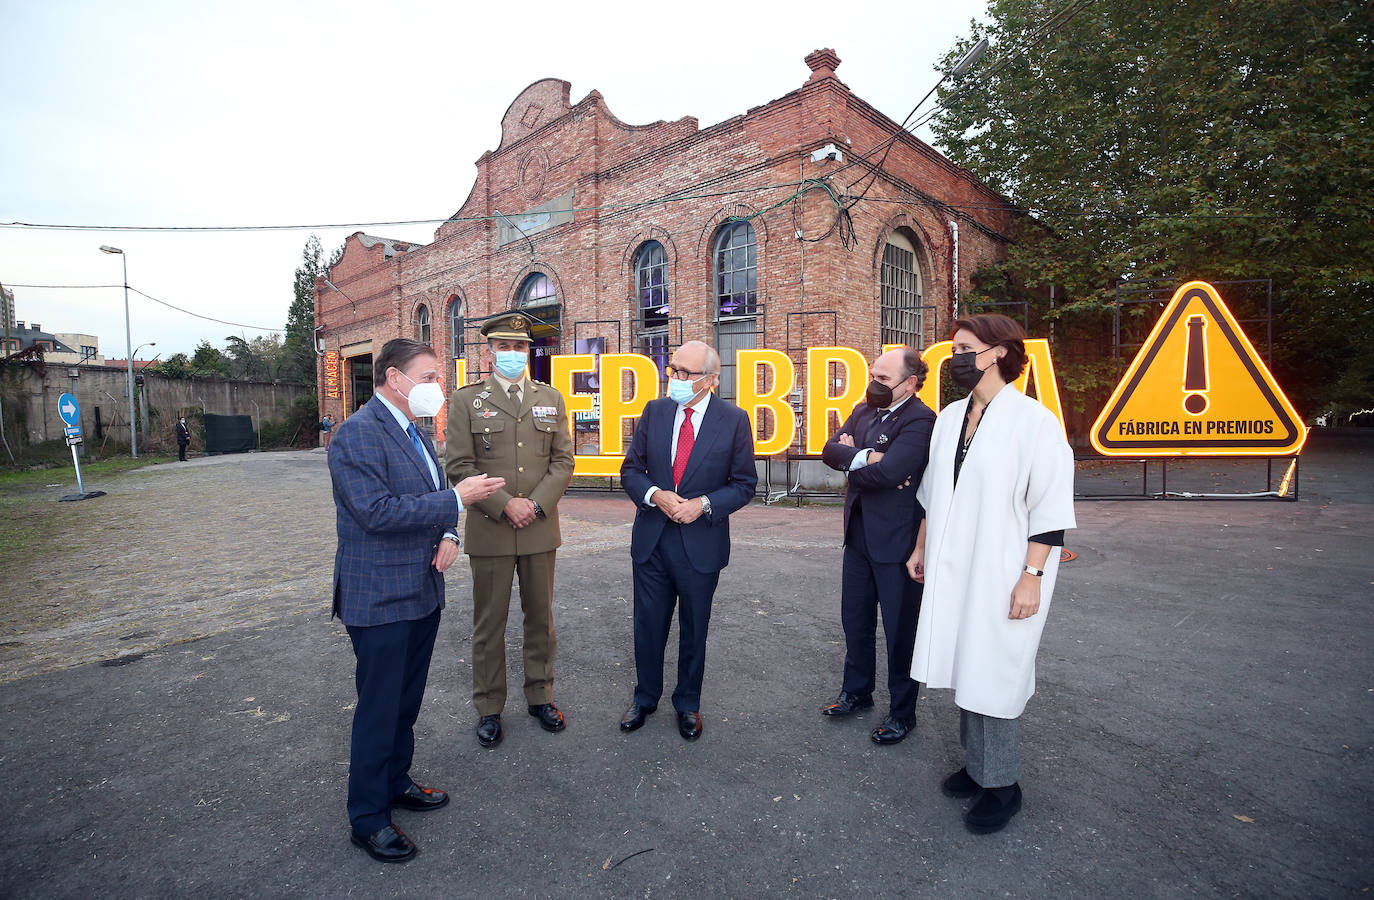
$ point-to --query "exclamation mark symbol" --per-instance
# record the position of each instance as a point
(1195, 367)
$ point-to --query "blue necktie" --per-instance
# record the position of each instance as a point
(424, 454)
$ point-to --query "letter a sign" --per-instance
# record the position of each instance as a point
(1197, 388)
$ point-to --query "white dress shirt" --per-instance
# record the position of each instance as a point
(861, 458)
(698, 413)
(405, 424)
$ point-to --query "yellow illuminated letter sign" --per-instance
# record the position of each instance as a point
(775, 401)
(820, 403)
(765, 379)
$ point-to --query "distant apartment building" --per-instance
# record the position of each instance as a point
(22, 337)
(86, 349)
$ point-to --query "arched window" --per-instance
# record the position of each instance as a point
(651, 280)
(902, 315)
(537, 291)
(455, 326)
(736, 270)
(422, 333)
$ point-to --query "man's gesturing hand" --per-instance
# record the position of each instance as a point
(478, 488)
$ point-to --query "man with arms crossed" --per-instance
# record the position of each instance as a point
(690, 465)
(882, 447)
(397, 534)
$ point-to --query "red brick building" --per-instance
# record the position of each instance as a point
(742, 234)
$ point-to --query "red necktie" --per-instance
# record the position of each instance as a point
(685, 439)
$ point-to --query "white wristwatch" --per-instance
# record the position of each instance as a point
(1032, 570)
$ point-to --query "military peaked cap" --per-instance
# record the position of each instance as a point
(512, 326)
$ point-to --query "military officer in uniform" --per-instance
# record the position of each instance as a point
(516, 428)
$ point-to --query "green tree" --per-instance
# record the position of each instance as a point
(257, 360)
(209, 362)
(298, 350)
(1181, 139)
(177, 366)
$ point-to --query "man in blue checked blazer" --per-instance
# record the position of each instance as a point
(690, 465)
(397, 526)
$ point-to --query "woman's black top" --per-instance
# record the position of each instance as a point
(1050, 538)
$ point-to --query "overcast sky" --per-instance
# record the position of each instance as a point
(311, 112)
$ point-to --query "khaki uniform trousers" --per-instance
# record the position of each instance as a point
(491, 595)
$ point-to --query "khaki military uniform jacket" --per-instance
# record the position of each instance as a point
(530, 447)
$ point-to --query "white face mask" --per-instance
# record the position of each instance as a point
(425, 399)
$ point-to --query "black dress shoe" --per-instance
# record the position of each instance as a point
(634, 717)
(388, 845)
(847, 704)
(993, 809)
(420, 799)
(489, 731)
(959, 785)
(689, 724)
(550, 719)
(893, 730)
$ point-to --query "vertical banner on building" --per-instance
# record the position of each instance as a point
(331, 374)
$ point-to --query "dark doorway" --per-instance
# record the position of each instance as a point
(359, 380)
(547, 323)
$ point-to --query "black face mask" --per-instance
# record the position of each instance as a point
(963, 368)
(879, 395)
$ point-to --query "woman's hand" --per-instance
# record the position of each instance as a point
(915, 564)
(1025, 596)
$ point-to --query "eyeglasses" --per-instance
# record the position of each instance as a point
(682, 374)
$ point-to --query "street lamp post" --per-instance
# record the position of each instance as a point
(129, 344)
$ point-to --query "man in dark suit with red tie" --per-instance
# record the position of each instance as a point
(690, 465)
(882, 448)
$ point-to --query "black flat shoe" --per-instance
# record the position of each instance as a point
(634, 717)
(959, 785)
(893, 730)
(420, 799)
(689, 724)
(489, 731)
(993, 809)
(550, 719)
(388, 845)
(847, 704)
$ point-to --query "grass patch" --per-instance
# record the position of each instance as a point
(49, 469)
(27, 522)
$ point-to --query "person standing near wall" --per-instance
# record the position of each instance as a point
(183, 438)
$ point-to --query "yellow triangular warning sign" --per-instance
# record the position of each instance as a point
(1197, 388)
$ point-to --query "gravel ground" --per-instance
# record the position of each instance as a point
(178, 705)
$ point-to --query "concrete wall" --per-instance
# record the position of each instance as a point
(107, 389)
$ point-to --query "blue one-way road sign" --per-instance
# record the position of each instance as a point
(69, 409)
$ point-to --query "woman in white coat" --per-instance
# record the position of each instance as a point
(998, 494)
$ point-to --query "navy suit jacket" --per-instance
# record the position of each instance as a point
(884, 493)
(390, 520)
(721, 467)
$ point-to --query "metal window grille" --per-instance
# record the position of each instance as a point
(736, 271)
(902, 314)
